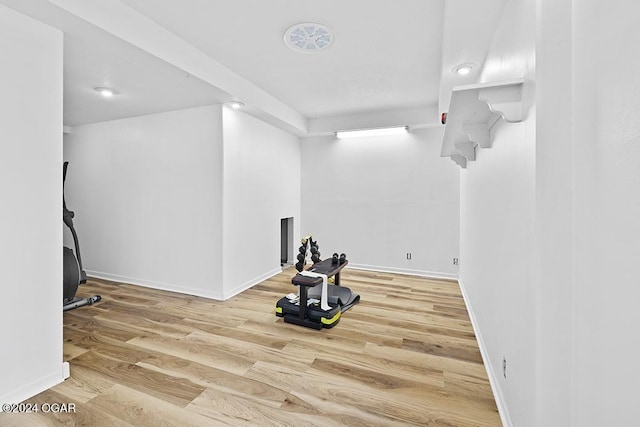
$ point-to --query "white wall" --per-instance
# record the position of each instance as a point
(31, 216)
(188, 201)
(556, 293)
(554, 191)
(606, 237)
(378, 198)
(261, 186)
(146, 192)
(498, 224)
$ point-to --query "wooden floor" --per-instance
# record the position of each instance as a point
(406, 355)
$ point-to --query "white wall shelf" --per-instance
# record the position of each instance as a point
(473, 111)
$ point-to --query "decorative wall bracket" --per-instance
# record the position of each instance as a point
(473, 111)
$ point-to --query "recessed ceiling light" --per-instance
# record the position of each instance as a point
(308, 37)
(105, 91)
(236, 105)
(463, 69)
(396, 130)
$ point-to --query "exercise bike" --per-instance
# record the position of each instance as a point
(73, 273)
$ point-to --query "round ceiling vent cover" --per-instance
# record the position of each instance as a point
(308, 37)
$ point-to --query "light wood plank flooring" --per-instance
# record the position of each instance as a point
(406, 355)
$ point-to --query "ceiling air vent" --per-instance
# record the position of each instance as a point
(308, 37)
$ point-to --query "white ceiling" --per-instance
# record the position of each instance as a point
(386, 54)
(390, 62)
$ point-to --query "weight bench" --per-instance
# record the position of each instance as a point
(318, 304)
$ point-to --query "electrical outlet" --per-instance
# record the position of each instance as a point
(408, 255)
(504, 366)
(455, 261)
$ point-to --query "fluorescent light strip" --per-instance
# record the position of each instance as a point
(397, 130)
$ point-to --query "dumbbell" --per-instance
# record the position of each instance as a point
(314, 249)
(334, 259)
(302, 249)
(301, 257)
(343, 258)
(299, 265)
(315, 257)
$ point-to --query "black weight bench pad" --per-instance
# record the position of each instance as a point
(326, 267)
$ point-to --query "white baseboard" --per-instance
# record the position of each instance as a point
(243, 287)
(38, 386)
(217, 295)
(421, 273)
(491, 373)
(157, 285)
